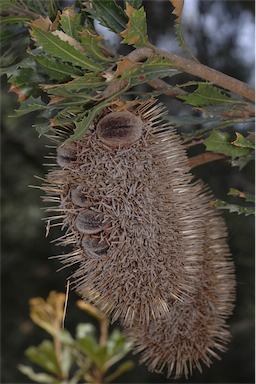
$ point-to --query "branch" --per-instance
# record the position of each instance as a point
(197, 69)
(204, 158)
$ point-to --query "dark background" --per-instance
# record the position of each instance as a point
(220, 34)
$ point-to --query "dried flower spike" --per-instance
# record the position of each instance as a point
(195, 331)
(128, 207)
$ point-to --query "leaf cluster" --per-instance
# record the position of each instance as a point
(63, 70)
(83, 358)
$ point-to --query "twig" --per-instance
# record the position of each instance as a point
(204, 158)
(197, 69)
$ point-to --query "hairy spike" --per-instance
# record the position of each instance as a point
(148, 249)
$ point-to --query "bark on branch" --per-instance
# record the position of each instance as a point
(197, 69)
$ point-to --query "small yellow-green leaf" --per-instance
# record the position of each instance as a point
(36, 377)
(45, 356)
(136, 29)
(48, 313)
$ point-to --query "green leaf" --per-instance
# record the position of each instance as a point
(136, 30)
(36, 377)
(135, 3)
(220, 142)
(52, 7)
(248, 197)
(42, 128)
(70, 22)
(62, 49)
(232, 208)
(82, 126)
(242, 142)
(109, 14)
(92, 45)
(85, 330)
(54, 68)
(78, 85)
(117, 347)
(44, 355)
(153, 68)
(205, 94)
(121, 369)
(30, 105)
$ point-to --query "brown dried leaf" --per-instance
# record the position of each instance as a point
(178, 7)
(43, 23)
(73, 42)
(124, 65)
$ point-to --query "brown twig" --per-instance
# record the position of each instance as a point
(197, 69)
(204, 158)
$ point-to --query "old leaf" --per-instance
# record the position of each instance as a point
(178, 7)
(48, 313)
(124, 65)
(136, 29)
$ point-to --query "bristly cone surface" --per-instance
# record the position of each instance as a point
(143, 235)
(195, 331)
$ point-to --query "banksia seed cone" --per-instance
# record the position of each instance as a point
(148, 248)
(195, 330)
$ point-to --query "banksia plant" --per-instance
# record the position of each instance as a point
(143, 240)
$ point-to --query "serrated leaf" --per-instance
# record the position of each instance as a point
(233, 208)
(30, 105)
(153, 68)
(135, 3)
(92, 45)
(42, 128)
(54, 68)
(62, 49)
(248, 197)
(136, 29)
(83, 125)
(178, 7)
(220, 142)
(109, 14)
(36, 377)
(205, 94)
(242, 142)
(45, 356)
(70, 21)
(52, 7)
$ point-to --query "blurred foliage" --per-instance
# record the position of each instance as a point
(61, 72)
(72, 360)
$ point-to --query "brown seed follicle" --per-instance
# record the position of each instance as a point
(94, 245)
(89, 222)
(119, 129)
(66, 154)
